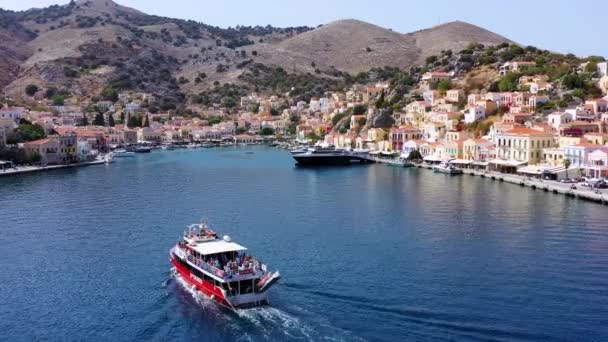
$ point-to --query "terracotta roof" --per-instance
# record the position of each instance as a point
(585, 143)
(525, 131)
(38, 142)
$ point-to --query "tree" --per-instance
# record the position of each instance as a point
(256, 108)
(146, 121)
(111, 120)
(26, 132)
(267, 131)
(359, 109)
(99, 121)
(50, 92)
(133, 122)
(573, 81)
(58, 100)
(591, 67)
(109, 94)
(414, 155)
(274, 112)
(508, 82)
(443, 86)
(31, 89)
(567, 163)
(313, 137)
(122, 118)
(517, 50)
(380, 103)
(336, 118)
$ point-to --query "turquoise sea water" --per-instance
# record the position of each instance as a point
(367, 252)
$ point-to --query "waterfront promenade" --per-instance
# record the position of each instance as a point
(581, 192)
(18, 170)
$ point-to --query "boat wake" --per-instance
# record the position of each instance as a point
(260, 323)
(200, 298)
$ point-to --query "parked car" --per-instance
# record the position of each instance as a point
(568, 180)
(595, 183)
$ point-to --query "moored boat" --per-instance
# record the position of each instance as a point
(142, 149)
(221, 269)
(329, 156)
(446, 167)
(122, 153)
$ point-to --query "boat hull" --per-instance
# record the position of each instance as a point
(447, 171)
(215, 292)
(318, 160)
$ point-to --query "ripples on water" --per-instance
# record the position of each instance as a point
(366, 253)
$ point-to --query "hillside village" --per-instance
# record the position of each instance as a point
(529, 117)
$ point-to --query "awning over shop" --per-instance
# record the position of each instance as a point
(460, 161)
(512, 163)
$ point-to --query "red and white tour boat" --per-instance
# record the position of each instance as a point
(221, 269)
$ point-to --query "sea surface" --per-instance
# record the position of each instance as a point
(367, 253)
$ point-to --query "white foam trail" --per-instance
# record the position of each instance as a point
(198, 296)
(269, 317)
(268, 321)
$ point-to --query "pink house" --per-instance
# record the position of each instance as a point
(597, 164)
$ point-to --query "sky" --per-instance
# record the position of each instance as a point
(559, 25)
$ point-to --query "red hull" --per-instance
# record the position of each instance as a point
(202, 285)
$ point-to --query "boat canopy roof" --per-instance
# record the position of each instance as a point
(217, 246)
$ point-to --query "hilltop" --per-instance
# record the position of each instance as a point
(89, 45)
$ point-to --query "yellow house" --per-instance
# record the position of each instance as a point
(597, 138)
(472, 148)
(568, 141)
(554, 156)
(524, 145)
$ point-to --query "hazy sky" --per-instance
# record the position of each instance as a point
(560, 25)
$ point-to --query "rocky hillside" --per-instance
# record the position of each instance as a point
(354, 46)
(453, 36)
(88, 45)
(347, 45)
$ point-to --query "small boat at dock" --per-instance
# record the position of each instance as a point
(142, 149)
(122, 153)
(447, 168)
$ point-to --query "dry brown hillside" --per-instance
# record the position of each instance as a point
(353, 46)
(89, 44)
(348, 45)
(454, 36)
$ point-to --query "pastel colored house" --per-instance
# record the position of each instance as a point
(578, 154)
(473, 149)
(398, 136)
(597, 165)
(47, 149)
(523, 145)
(474, 113)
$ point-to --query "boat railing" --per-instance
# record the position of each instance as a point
(230, 274)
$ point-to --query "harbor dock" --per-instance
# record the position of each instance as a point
(19, 170)
(581, 192)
